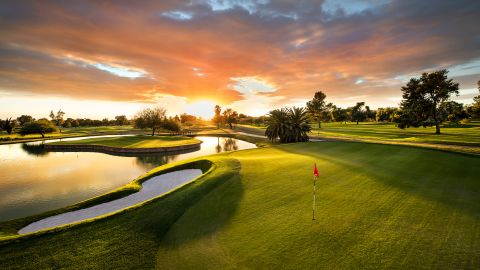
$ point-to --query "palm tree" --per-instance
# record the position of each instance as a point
(277, 124)
(288, 125)
(298, 125)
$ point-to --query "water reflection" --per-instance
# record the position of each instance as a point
(229, 144)
(34, 149)
(34, 181)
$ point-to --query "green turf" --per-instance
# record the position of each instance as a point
(466, 134)
(138, 141)
(379, 206)
(69, 132)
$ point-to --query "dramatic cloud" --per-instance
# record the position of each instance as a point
(252, 55)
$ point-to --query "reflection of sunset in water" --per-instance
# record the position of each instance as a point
(33, 182)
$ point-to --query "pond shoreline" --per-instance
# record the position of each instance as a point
(112, 149)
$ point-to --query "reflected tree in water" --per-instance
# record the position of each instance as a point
(34, 149)
(230, 144)
(218, 148)
(152, 161)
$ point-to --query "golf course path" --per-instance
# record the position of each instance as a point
(151, 188)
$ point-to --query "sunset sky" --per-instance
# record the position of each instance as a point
(104, 58)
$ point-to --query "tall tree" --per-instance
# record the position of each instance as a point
(423, 99)
(152, 118)
(385, 114)
(24, 119)
(57, 119)
(9, 125)
(474, 109)
(230, 116)
(316, 107)
(121, 120)
(172, 125)
(218, 115)
(453, 111)
(358, 113)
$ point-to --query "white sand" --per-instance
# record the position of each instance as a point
(151, 188)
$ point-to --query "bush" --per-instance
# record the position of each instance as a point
(41, 127)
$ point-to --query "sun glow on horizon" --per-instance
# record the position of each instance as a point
(203, 108)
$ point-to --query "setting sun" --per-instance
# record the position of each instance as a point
(240, 134)
(202, 108)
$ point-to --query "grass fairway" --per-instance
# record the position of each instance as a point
(132, 142)
(466, 134)
(378, 206)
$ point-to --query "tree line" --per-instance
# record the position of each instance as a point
(426, 101)
(58, 120)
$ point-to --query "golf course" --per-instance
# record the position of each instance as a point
(240, 134)
(378, 206)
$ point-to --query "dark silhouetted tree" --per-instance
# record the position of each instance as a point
(121, 120)
(172, 125)
(230, 117)
(217, 118)
(9, 125)
(288, 125)
(358, 113)
(152, 118)
(24, 119)
(474, 109)
(316, 107)
(423, 99)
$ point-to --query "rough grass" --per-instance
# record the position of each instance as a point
(139, 141)
(378, 206)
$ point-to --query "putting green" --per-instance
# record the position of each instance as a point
(378, 206)
(132, 142)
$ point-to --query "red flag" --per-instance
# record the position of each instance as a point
(315, 170)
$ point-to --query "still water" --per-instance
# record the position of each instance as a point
(34, 181)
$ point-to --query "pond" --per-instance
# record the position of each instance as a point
(33, 181)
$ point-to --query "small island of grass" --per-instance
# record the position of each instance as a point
(138, 143)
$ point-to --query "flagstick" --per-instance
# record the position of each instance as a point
(313, 206)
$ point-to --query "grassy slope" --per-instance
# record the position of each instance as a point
(378, 206)
(139, 141)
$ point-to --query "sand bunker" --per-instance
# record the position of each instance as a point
(151, 188)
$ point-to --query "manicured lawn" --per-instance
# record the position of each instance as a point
(467, 134)
(462, 134)
(138, 141)
(378, 206)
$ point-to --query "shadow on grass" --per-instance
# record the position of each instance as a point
(447, 178)
(213, 212)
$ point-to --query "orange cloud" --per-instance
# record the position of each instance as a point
(195, 50)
